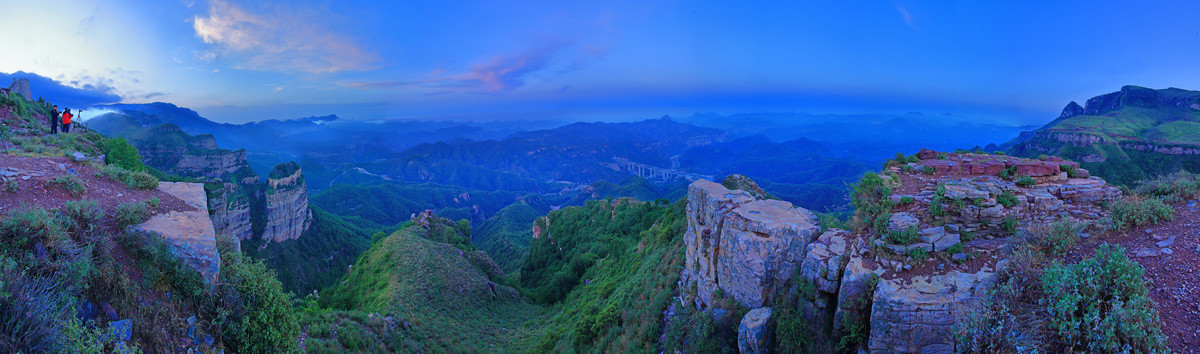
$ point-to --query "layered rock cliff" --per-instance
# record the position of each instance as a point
(229, 209)
(171, 150)
(741, 245)
(1123, 136)
(287, 210)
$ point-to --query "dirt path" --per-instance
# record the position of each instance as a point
(33, 173)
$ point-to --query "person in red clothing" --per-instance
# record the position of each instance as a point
(66, 120)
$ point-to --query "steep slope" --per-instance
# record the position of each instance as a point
(609, 268)
(505, 236)
(1123, 136)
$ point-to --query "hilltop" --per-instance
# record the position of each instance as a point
(1124, 136)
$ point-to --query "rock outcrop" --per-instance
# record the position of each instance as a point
(741, 245)
(189, 234)
(229, 209)
(288, 215)
(755, 332)
(916, 315)
(170, 149)
(20, 86)
(847, 282)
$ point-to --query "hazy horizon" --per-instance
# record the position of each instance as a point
(237, 61)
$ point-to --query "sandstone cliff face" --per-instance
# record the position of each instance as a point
(189, 234)
(229, 209)
(287, 211)
(740, 245)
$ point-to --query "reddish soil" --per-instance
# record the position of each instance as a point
(1174, 281)
(36, 192)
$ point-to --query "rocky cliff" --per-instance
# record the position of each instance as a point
(741, 245)
(189, 233)
(889, 283)
(287, 210)
(229, 209)
(171, 150)
(1123, 136)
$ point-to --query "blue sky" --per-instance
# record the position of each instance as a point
(236, 61)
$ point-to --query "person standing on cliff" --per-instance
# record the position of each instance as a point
(66, 120)
(54, 117)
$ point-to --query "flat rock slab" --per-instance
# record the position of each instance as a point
(189, 234)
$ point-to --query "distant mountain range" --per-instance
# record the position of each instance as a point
(1123, 136)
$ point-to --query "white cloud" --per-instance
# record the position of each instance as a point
(280, 41)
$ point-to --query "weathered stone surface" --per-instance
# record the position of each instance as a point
(20, 86)
(916, 316)
(755, 332)
(189, 234)
(822, 260)
(744, 246)
(902, 221)
(1036, 168)
(855, 286)
(288, 215)
(229, 209)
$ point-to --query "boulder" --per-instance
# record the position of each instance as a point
(926, 154)
(109, 312)
(743, 246)
(78, 156)
(123, 329)
(756, 331)
(917, 315)
(902, 221)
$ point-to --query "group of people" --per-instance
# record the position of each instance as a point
(64, 118)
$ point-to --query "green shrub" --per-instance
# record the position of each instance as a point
(936, 207)
(11, 186)
(1026, 181)
(120, 153)
(1181, 185)
(140, 180)
(32, 315)
(858, 328)
(130, 214)
(265, 322)
(906, 200)
(1135, 211)
(81, 217)
(69, 183)
(979, 202)
(918, 254)
(20, 228)
(903, 237)
(870, 200)
(1001, 153)
(1071, 171)
(1009, 225)
(1054, 238)
(1101, 304)
(1007, 199)
(1008, 173)
(928, 170)
(955, 248)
